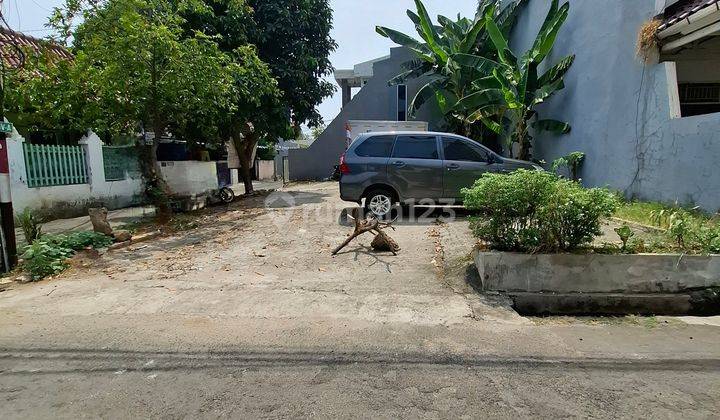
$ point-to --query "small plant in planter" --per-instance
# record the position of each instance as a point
(573, 162)
(625, 233)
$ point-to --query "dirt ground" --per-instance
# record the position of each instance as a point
(246, 313)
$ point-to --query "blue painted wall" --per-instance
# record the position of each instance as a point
(619, 109)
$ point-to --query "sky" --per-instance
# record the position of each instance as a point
(354, 28)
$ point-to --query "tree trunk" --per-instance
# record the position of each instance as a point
(523, 141)
(246, 176)
(157, 191)
(246, 140)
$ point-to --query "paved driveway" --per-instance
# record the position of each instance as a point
(248, 314)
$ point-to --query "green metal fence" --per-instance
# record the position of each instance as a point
(119, 162)
(48, 165)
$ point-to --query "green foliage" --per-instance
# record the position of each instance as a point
(455, 55)
(679, 226)
(47, 255)
(643, 212)
(266, 150)
(690, 233)
(135, 64)
(30, 223)
(625, 233)
(682, 229)
(534, 211)
(42, 259)
(293, 38)
(506, 102)
(707, 238)
(572, 162)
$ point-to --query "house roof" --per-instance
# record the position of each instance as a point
(359, 73)
(27, 42)
(683, 9)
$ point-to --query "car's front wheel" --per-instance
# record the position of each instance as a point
(380, 203)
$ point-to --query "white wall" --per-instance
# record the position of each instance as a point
(68, 199)
(265, 169)
(190, 177)
(184, 178)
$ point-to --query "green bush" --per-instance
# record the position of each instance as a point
(535, 211)
(48, 254)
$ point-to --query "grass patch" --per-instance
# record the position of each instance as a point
(649, 213)
(676, 229)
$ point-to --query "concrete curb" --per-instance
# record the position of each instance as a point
(666, 284)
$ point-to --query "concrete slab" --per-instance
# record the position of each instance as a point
(595, 273)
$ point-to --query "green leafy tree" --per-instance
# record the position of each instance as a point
(452, 56)
(41, 95)
(136, 68)
(293, 38)
(515, 88)
(282, 87)
(258, 111)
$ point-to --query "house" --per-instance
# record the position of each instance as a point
(650, 128)
(26, 43)
(64, 178)
(375, 101)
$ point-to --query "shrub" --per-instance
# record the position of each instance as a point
(47, 255)
(534, 211)
(707, 238)
(30, 223)
(42, 259)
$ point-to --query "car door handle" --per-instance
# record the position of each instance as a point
(452, 166)
(399, 163)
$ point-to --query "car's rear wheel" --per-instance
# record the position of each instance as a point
(380, 202)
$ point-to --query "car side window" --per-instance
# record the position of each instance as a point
(378, 146)
(416, 147)
(460, 150)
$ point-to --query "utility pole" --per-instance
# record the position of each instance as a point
(7, 216)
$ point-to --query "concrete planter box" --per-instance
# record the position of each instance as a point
(592, 283)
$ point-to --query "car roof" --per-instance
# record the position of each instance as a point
(408, 133)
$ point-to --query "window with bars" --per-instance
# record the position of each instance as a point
(699, 98)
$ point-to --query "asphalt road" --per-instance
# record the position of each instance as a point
(110, 384)
(246, 315)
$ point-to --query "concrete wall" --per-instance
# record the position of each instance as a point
(70, 200)
(595, 273)
(375, 101)
(265, 169)
(619, 108)
(184, 178)
(190, 177)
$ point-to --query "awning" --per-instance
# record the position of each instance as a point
(688, 21)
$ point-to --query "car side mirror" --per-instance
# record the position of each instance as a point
(492, 159)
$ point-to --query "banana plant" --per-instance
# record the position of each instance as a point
(451, 55)
(505, 101)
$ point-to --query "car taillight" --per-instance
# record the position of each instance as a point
(344, 168)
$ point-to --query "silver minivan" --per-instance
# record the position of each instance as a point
(415, 167)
